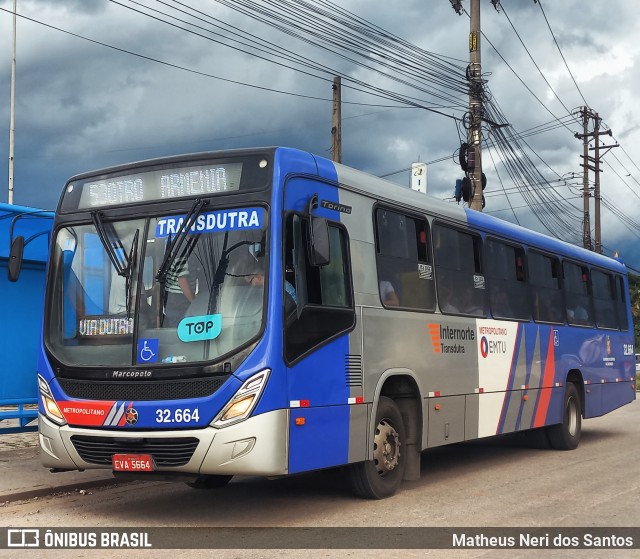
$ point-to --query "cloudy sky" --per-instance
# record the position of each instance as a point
(103, 82)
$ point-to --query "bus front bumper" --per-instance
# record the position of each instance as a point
(256, 446)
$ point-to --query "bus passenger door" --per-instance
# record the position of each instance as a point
(316, 331)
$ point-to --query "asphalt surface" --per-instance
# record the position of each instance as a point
(23, 477)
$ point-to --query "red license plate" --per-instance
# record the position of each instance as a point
(132, 463)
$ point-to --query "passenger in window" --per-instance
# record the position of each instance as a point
(388, 294)
(290, 296)
(468, 303)
(545, 311)
(446, 299)
(500, 303)
(255, 278)
(519, 269)
(577, 314)
(245, 298)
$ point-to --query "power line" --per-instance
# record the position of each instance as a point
(203, 74)
(445, 158)
(502, 185)
(370, 89)
(524, 84)
(539, 2)
(532, 60)
(626, 170)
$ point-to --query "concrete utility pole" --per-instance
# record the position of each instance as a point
(475, 108)
(12, 118)
(336, 125)
(586, 220)
(473, 164)
(593, 164)
(596, 191)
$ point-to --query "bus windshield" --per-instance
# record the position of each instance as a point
(130, 292)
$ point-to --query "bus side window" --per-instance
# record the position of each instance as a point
(459, 276)
(507, 287)
(405, 272)
(544, 279)
(603, 289)
(621, 304)
(577, 294)
(329, 309)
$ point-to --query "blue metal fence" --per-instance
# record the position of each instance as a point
(21, 315)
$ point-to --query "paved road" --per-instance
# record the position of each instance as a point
(493, 483)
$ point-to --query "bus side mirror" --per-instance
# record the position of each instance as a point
(320, 249)
(15, 258)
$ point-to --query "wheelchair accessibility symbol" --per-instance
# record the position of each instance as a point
(148, 350)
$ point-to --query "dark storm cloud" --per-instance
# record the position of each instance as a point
(71, 7)
(83, 106)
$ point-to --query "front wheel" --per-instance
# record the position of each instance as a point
(381, 477)
(566, 435)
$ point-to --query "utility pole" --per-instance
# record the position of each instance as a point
(597, 157)
(473, 164)
(596, 191)
(586, 220)
(336, 124)
(592, 164)
(475, 109)
(12, 118)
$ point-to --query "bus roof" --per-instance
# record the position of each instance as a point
(497, 226)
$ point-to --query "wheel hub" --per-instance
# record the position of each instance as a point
(572, 412)
(386, 447)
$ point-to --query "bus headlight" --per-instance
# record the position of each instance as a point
(51, 409)
(243, 401)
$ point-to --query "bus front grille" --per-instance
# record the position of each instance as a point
(166, 452)
(150, 390)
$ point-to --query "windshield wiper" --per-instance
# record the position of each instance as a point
(122, 268)
(132, 257)
(173, 247)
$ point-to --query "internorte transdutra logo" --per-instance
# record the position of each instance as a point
(447, 339)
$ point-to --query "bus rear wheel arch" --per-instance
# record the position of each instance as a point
(382, 476)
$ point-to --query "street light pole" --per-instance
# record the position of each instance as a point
(12, 118)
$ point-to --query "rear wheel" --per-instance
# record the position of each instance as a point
(209, 482)
(381, 477)
(566, 435)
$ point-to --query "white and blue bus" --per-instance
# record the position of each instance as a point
(270, 312)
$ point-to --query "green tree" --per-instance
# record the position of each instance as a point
(634, 297)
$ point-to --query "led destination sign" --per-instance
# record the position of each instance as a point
(160, 184)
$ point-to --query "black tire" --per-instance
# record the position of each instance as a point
(209, 482)
(381, 477)
(566, 435)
